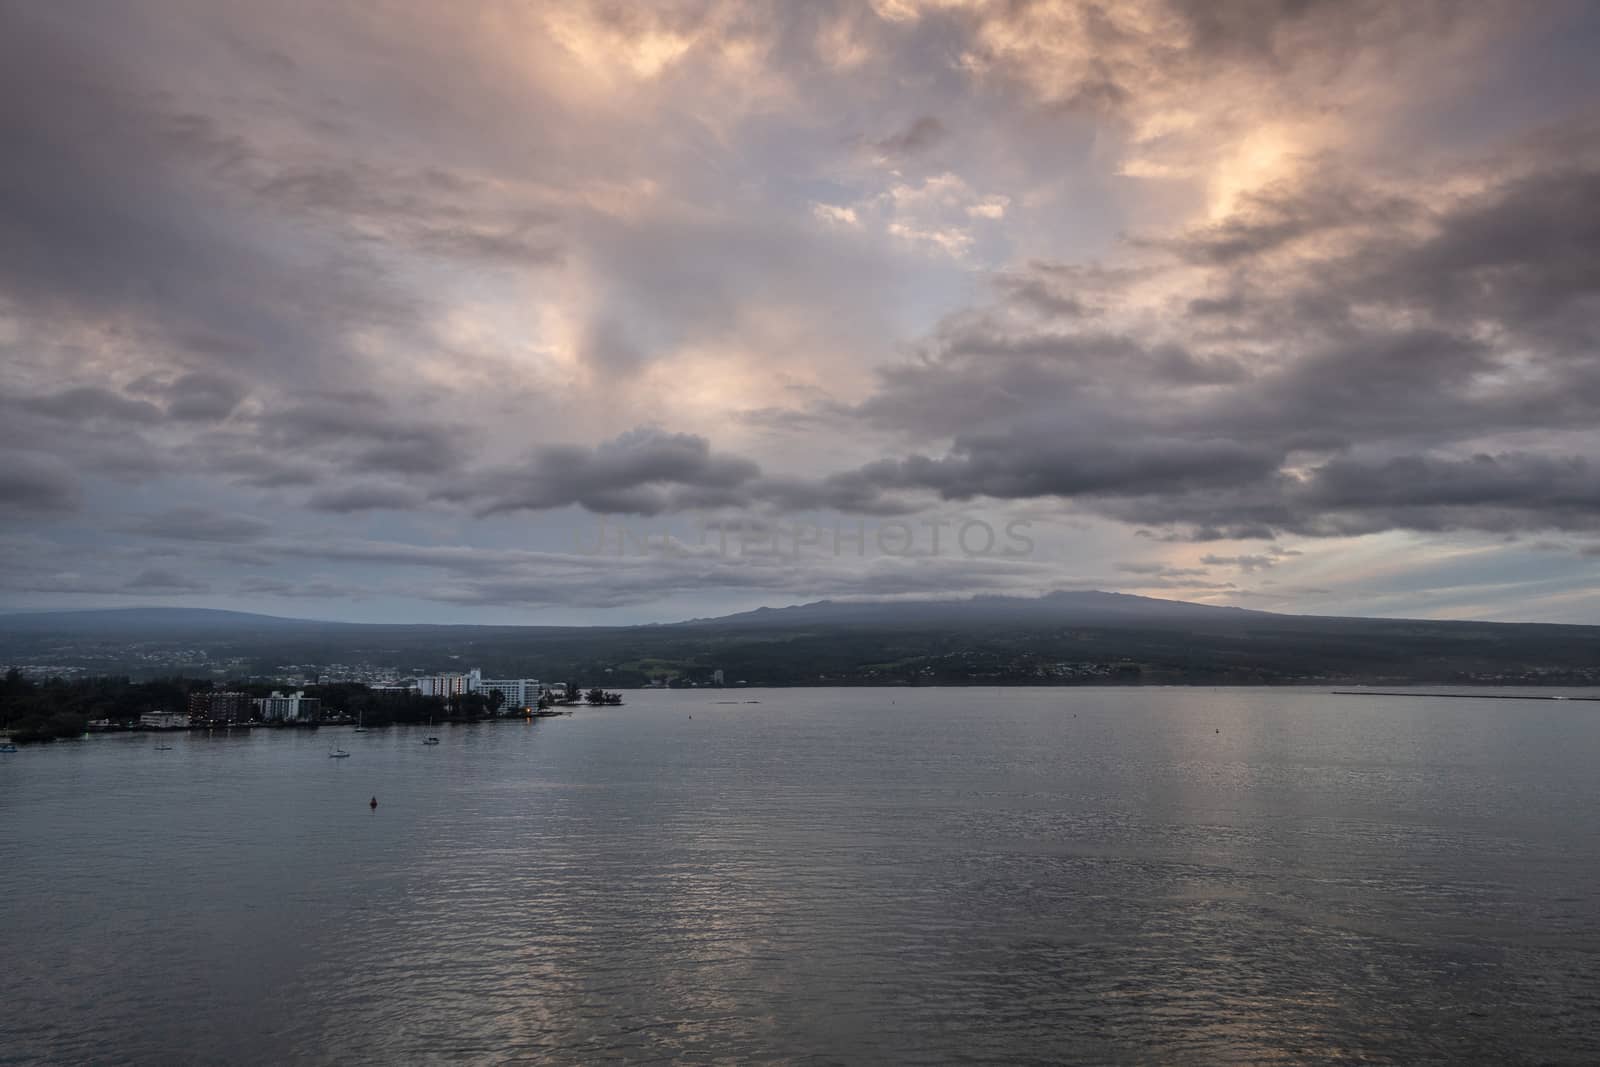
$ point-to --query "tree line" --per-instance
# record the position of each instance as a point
(54, 708)
(34, 710)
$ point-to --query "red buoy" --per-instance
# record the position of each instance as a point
(374, 803)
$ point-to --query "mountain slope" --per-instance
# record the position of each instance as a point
(1059, 638)
(1085, 607)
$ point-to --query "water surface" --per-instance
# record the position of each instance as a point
(827, 876)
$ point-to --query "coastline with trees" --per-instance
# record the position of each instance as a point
(40, 710)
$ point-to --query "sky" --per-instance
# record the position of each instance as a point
(612, 313)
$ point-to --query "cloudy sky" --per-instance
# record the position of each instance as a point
(569, 312)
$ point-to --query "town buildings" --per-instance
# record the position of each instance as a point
(290, 707)
(517, 692)
(449, 685)
(226, 707)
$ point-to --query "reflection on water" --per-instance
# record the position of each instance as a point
(828, 876)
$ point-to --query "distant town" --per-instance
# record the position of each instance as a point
(54, 708)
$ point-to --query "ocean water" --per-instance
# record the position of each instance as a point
(825, 876)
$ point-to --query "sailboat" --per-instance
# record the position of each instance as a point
(338, 753)
(430, 739)
(359, 716)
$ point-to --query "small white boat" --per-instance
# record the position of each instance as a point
(430, 740)
(163, 748)
(338, 753)
(7, 746)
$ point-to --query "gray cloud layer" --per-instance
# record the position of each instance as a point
(1206, 271)
(1342, 387)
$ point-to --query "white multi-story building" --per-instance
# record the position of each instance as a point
(288, 707)
(518, 692)
(163, 720)
(449, 685)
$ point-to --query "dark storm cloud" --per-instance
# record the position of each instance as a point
(984, 371)
(1348, 497)
(1525, 255)
(1412, 481)
(643, 472)
(315, 440)
(1021, 466)
(1417, 331)
(362, 431)
(1364, 384)
(1506, 492)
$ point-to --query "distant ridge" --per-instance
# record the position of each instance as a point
(1062, 606)
(1064, 637)
(1085, 607)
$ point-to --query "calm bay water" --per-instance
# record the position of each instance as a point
(1026, 875)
